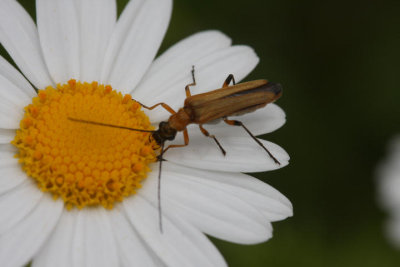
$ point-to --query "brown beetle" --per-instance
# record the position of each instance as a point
(203, 108)
(208, 107)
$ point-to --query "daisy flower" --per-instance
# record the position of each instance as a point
(389, 191)
(74, 194)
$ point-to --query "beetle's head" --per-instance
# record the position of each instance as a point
(164, 132)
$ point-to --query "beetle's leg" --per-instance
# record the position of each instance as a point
(168, 108)
(239, 123)
(228, 81)
(206, 133)
(185, 138)
(187, 90)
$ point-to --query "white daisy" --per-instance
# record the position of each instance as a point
(92, 167)
(389, 191)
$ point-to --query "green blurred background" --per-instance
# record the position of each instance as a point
(338, 62)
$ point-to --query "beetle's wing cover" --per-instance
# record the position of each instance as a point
(200, 99)
(233, 100)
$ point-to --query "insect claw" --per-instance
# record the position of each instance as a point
(223, 151)
(272, 156)
(159, 158)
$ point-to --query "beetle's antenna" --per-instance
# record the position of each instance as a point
(159, 187)
(111, 125)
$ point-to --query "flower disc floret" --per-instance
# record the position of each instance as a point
(83, 163)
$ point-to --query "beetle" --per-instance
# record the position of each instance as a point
(204, 108)
(229, 100)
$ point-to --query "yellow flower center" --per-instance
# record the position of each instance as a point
(83, 163)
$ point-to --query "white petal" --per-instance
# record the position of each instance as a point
(243, 154)
(97, 20)
(58, 28)
(13, 98)
(389, 184)
(175, 63)
(7, 152)
(19, 36)
(57, 250)
(216, 209)
(16, 78)
(393, 231)
(270, 202)
(388, 174)
(135, 42)
(210, 72)
(132, 250)
(6, 135)
(10, 177)
(180, 244)
(93, 243)
(24, 240)
(260, 195)
(16, 204)
(11, 174)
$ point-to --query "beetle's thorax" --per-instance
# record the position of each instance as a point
(181, 119)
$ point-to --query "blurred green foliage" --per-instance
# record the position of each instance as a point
(338, 62)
